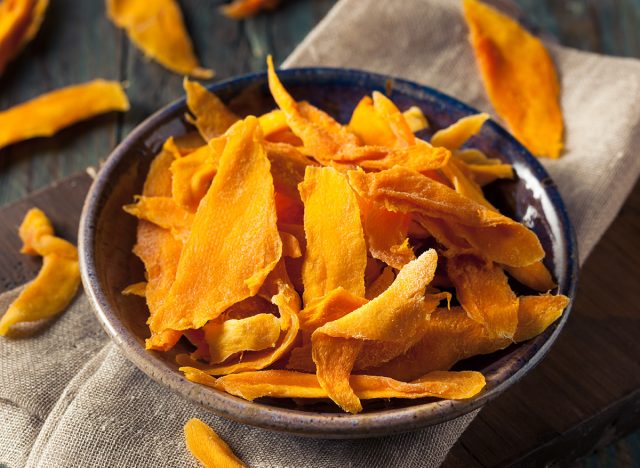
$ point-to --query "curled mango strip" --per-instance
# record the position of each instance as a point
(332, 306)
(192, 175)
(421, 157)
(239, 9)
(464, 185)
(238, 210)
(380, 330)
(208, 447)
(253, 333)
(290, 384)
(210, 116)
(457, 134)
(158, 29)
(519, 77)
(163, 212)
(451, 336)
(45, 115)
(330, 202)
(136, 289)
(406, 191)
(387, 110)
(322, 136)
(535, 276)
(20, 21)
(58, 280)
(386, 234)
(484, 293)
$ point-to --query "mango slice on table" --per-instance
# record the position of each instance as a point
(48, 113)
(157, 28)
(208, 447)
(20, 21)
(519, 77)
(57, 281)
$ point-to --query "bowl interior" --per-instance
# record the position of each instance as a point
(108, 234)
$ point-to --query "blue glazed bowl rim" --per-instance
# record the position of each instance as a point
(303, 423)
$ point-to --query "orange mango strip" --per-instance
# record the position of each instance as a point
(406, 191)
(207, 446)
(484, 174)
(483, 291)
(20, 21)
(535, 276)
(232, 336)
(273, 122)
(158, 250)
(210, 116)
(163, 212)
(216, 270)
(45, 115)
(192, 175)
(451, 336)
(334, 234)
(239, 9)
(464, 185)
(380, 330)
(288, 166)
(157, 28)
(278, 287)
(290, 245)
(457, 134)
(519, 77)
(57, 281)
(290, 384)
(387, 110)
(136, 289)
(386, 234)
(322, 136)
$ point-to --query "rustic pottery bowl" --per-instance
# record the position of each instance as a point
(107, 235)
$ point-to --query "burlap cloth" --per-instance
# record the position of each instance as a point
(69, 399)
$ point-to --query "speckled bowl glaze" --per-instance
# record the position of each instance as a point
(107, 235)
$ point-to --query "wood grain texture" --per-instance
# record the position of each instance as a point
(584, 394)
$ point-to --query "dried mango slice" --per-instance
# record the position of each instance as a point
(215, 269)
(535, 276)
(208, 447)
(330, 203)
(457, 134)
(210, 116)
(464, 185)
(519, 77)
(20, 21)
(273, 122)
(484, 293)
(45, 115)
(485, 174)
(157, 28)
(288, 166)
(239, 9)
(452, 336)
(332, 306)
(57, 282)
(163, 212)
(386, 234)
(415, 119)
(192, 176)
(406, 191)
(322, 136)
(253, 333)
(290, 384)
(421, 157)
(387, 110)
(136, 289)
(380, 330)
(290, 245)
(287, 300)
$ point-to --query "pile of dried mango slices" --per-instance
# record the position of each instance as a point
(303, 258)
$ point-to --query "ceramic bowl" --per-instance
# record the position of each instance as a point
(107, 235)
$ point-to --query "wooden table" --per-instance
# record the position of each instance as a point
(586, 394)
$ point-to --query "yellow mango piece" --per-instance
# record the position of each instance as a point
(484, 174)
(20, 21)
(207, 446)
(278, 286)
(57, 281)
(369, 126)
(48, 113)
(210, 116)
(457, 134)
(332, 306)
(237, 211)
(136, 289)
(192, 175)
(535, 276)
(387, 110)
(519, 77)
(415, 119)
(273, 122)
(333, 231)
(484, 292)
(386, 234)
(288, 166)
(239, 9)
(253, 333)
(322, 136)
(157, 28)
(464, 185)
(451, 336)
(290, 245)
(163, 212)
(381, 283)
(380, 330)
(406, 191)
(290, 384)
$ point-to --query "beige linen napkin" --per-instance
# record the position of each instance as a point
(68, 398)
